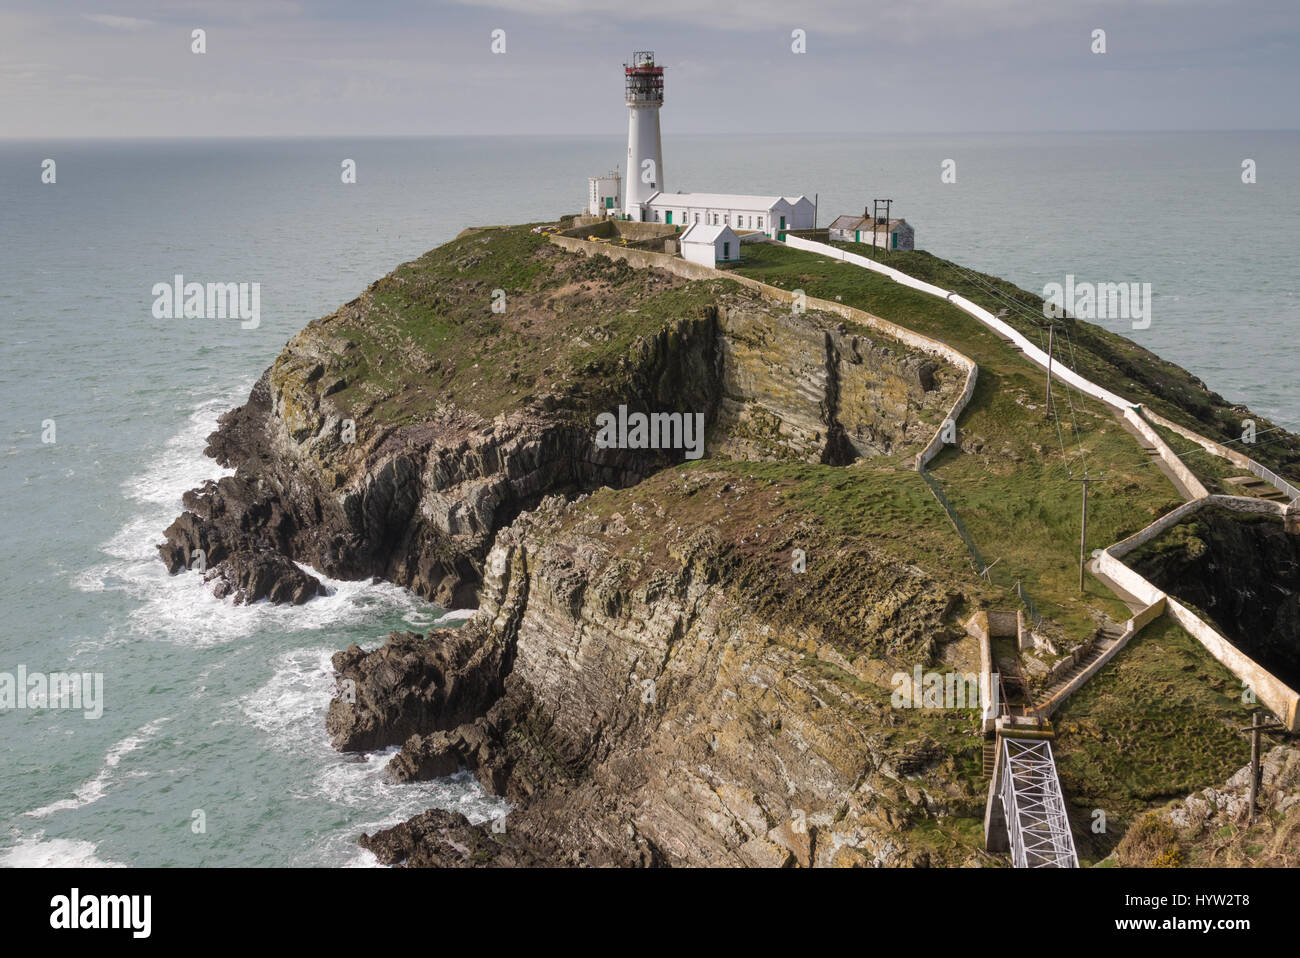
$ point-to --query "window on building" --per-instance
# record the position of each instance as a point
(726, 250)
(760, 222)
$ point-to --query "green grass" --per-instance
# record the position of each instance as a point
(1010, 480)
(427, 332)
(889, 509)
(1206, 466)
(1157, 723)
(1106, 358)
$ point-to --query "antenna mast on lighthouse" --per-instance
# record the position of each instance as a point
(645, 157)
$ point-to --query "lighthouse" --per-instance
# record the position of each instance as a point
(645, 156)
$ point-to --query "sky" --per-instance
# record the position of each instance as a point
(95, 68)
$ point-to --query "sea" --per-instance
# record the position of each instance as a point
(211, 746)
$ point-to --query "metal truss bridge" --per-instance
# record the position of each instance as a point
(1025, 813)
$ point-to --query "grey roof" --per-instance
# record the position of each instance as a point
(862, 223)
(704, 233)
(716, 200)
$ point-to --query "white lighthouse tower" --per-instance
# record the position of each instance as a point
(645, 155)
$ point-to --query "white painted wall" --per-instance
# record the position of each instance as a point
(684, 215)
(599, 187)
(724, 248)
(643, 142)
(738, 216)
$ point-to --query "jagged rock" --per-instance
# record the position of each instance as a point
(418, 502)
(410, 685)
(252, 576)
(441, 839)
(425, 757)
(734, 757)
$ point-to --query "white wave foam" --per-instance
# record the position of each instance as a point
(456, 615)
(179, 466)
(97, 787)
(358, 782)
(182, 608)
(38, 852)
(291, 706)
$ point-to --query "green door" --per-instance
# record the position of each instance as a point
(669, 216)
(858, 235)
(895, 241)
(609, 202)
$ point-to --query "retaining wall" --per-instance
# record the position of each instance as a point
(978, 627)
(1132, 627)
(1281, 699)
(1270, 690)
(1174, 516)
(1238, 459)
(1036, 355)
(1193, 485)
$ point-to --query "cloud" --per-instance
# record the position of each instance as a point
(114, 22)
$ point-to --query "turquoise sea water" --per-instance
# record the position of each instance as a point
(219, 709)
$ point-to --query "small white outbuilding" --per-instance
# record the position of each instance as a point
(709, 245)
(604, 194)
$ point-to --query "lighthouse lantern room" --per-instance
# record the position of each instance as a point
(644, 87)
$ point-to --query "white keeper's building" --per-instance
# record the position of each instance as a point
(772, 215)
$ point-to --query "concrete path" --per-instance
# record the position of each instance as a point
(1183, 489)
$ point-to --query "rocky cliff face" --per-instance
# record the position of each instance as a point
(368, 449)
(651, 713)
(647, 678)
(815, 391)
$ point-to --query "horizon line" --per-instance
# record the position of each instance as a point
(615, 136)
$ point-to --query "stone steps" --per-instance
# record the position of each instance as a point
(1110, 635)
(1257, 487)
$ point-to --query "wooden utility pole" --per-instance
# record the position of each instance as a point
(1083, 532)
(1255, 728)
(875, 224)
